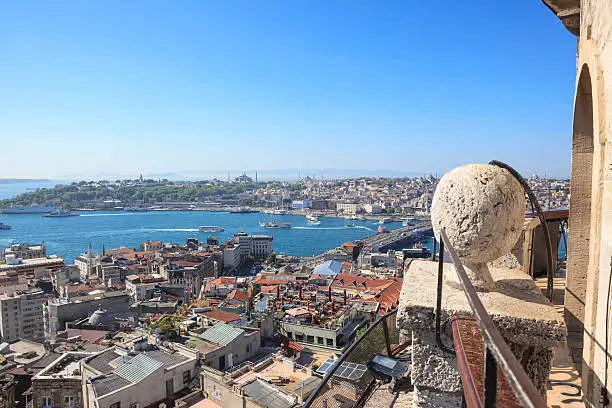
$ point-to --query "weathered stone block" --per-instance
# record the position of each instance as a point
(424, 397)
(432, 367)
(524, 317)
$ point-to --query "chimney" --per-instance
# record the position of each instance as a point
(345, 296)
(329, 293)
(300, 289)
(278, 292)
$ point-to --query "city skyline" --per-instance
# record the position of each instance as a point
(118, 88)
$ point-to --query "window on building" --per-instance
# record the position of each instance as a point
(310, 339)
(186, 377)
(320, 340)
(69, 401)
(47, 401)
(330, 342)
(248, 348)
(115, 405)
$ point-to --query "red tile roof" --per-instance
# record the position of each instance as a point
(222, 316)
(238, 295)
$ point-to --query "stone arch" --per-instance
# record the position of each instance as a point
(579, 230)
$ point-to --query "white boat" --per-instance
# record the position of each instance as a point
(60, 213)
(385, 220)
(210, 228)
(136, 209)
(312, 218)
(4, 226)
(274, 225)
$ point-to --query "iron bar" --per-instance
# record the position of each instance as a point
(433, 254)
(490, 380)
(439, 301)
(387, 341)
(550, 272)
(514, 373)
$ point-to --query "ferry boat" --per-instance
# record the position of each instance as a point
(210, 228)
(274, 225)
(312, 218)
(4, 226)
(136, 209)
(385, 220)
(33, 209)
(60, 213)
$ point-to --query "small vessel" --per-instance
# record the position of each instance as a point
(312, 218)
(210, 228)
(136, 209)
(385, 220)
(351, 217)
(350, 225)
(60, 213)
(33, 209)
(381, 229)
(274, 225)
(243, 210)
(4, 226)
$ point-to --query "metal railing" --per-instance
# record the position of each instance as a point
(382, 337)
(497, 351)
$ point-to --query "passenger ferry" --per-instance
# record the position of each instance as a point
(210, 228)
(274, 225)
(60, 213)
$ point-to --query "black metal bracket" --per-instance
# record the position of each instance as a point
(441, 345)
(550, 271)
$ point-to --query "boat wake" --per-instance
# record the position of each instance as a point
(119, 214)
(170, 229)
(334, 228)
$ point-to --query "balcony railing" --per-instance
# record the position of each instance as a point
(497, 354)
(381, 337)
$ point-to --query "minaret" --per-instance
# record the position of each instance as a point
(256, 177)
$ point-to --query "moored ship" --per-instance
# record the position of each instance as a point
(32, 209)
(243, 210)
(274, 225)
(60, 213)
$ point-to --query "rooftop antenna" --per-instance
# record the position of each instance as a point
(255, 177)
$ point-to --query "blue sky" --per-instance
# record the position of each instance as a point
(200, 87)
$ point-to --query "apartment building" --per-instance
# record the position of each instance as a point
(21, 315)
(140, 377)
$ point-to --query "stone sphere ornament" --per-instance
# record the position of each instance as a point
(482, 208)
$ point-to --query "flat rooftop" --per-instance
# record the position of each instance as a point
(272, 371)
